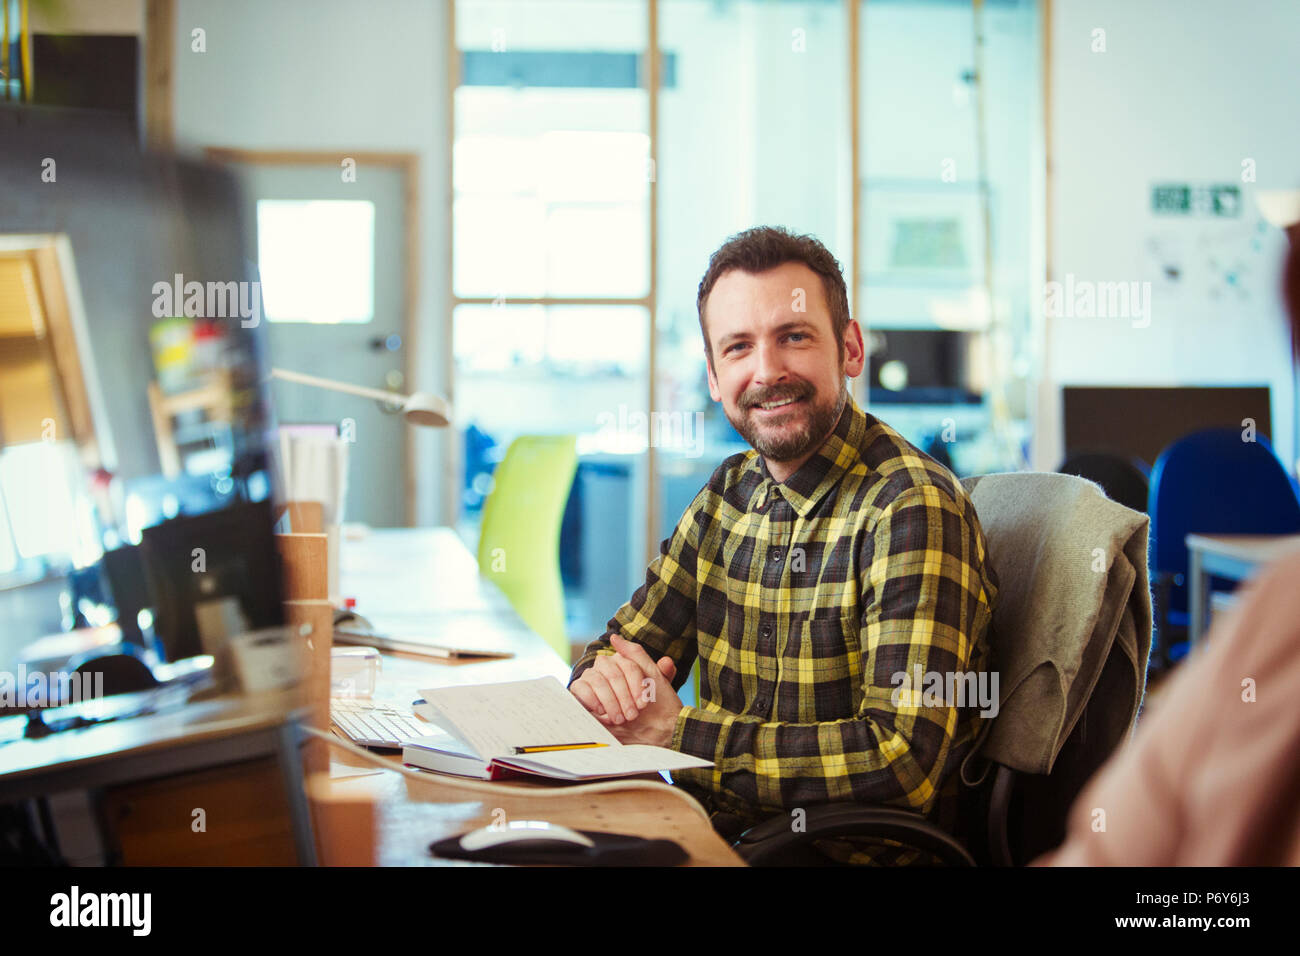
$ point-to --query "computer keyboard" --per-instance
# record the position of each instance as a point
(372, 724)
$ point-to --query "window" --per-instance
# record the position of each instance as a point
(54, 524)
(563, 188)
(299, 243)
(551, 261)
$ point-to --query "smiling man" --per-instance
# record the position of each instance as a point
(809, 576)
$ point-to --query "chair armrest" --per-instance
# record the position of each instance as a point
(766, 843)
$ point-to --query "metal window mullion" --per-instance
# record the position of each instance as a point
(652, 81)
(858, 180)
(451, 447)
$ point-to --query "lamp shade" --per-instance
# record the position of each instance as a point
(1281, 207)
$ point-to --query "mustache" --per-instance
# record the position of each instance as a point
(761, 396)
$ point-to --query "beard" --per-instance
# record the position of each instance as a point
(795, 433)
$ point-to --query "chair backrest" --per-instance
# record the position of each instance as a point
(1123, 479)
(1070, 638)
(1215, 482)
(519, 546)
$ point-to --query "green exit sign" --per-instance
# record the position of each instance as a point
(1167, 199)
(1183, 199)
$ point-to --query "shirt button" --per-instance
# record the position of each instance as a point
(776, 555)
(765, 631)
(761, 708)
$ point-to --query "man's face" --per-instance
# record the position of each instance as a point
(777, 371)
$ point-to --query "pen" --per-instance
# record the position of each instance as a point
(544, 747)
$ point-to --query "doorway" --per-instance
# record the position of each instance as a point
(334, 238)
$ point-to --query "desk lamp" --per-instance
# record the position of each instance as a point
(418, 408)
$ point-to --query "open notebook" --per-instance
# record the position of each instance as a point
(482, 725)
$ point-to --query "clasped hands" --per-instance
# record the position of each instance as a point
(631, 694)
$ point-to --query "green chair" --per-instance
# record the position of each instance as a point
(519, 546)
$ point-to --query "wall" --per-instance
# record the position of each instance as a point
(1183, 93)
(331, 75)
(96, 198)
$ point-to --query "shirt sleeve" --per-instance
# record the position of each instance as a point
(924, 602)
(660, 616)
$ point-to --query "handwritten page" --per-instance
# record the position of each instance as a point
(494, 719)
(624, 761)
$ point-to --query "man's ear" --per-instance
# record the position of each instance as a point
(714, 392)
(855, 352)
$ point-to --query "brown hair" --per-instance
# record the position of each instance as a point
(766, 247)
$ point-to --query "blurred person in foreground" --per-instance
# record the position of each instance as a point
(1211, 777)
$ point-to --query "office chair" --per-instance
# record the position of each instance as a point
(1123, 478)
(1071, 646)
(519, 545)
(1209, 482)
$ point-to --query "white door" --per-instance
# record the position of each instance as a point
(331, 252)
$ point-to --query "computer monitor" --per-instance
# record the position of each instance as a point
(919, 366)
(1142, 421)
(223, 563)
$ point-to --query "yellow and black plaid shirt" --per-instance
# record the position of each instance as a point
(804, 600)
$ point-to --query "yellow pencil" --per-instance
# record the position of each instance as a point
(545, 747)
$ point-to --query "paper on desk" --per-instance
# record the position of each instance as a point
(494, 719)
(626, 761)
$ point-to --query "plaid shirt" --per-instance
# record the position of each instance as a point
(804, 600)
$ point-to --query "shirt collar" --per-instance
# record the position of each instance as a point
(820, 473)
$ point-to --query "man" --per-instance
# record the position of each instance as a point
(811, 576)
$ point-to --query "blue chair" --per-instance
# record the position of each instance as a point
(1210, 482)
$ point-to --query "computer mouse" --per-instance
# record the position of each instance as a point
(116, 674)
(515, 832)
(351, 620)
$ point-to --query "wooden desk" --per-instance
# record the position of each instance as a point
(430, 571)
(1233, 556)
(160, 761)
